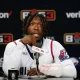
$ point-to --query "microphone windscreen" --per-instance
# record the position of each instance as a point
(38, 44)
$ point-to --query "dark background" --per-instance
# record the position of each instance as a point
(56, 28)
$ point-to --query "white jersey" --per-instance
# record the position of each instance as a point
(55, 61)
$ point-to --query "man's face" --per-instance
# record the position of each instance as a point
(35, 28)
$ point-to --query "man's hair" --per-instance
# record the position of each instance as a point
(30, 17)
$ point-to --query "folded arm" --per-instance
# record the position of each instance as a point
(62, 66)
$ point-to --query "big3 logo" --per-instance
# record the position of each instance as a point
(49, 14)
(6, 38)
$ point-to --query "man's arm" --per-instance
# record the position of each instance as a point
(12, 56)
(62, 66)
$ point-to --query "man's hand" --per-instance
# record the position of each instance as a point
(29, 39)
(33, 72)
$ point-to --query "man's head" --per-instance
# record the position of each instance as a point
(35, 24)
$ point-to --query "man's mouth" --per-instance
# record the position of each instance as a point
(36, 35)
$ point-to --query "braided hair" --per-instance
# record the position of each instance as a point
(29, 18)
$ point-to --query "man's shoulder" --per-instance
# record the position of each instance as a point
(13, 42)
(49, 40)
(55, 42)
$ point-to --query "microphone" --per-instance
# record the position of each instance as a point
(37, 50)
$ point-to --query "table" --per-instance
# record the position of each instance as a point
(1, 78)
(50, 79)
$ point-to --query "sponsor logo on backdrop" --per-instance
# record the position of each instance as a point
(49, 14)
(5, 14)
(6, 38)
(73, 14)
(72, 38)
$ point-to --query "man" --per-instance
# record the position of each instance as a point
(53, 62)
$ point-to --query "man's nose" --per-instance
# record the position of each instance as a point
(36, 26)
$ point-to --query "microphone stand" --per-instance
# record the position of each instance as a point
(36, 56)
(37, 66)
(38, 44)
(37, 61)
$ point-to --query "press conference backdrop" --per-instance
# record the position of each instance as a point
(63, 23)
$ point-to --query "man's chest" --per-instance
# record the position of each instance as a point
(46, 58)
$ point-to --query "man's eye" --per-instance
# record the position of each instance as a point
(31, 23)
